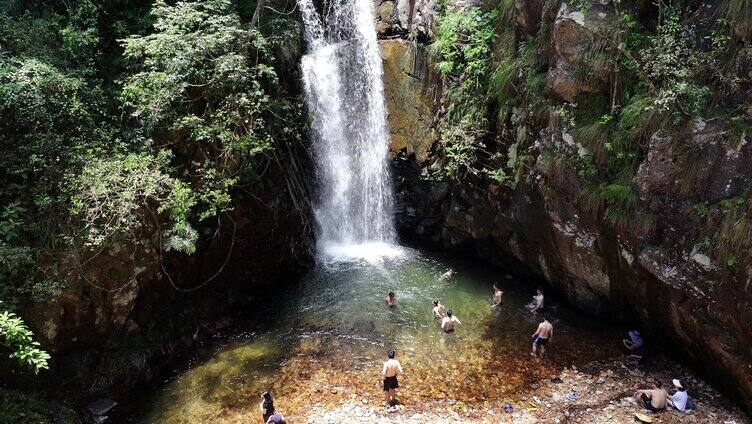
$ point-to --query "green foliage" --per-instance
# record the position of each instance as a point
(733, 237)
(117, 121)
(618, 205)
(14, 335)
(19, 407)
(464, 47)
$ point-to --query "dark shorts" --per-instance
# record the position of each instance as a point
(390, 383)
(451, 330)
(648, 405)
(540, 341)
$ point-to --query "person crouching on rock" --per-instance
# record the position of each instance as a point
(654, 400)
(276, 418)
(392, 367)
(634, 343)
(680, 400)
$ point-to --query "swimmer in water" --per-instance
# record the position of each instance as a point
(447, 275)
(538, 301)
(391, 300)
(447, 324)
(497, 300)
(438, 309)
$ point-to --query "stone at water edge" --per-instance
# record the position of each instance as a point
(643, 418)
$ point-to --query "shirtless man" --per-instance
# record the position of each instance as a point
(391, 300)
(447, 324)
(438, 309)
(654, 400)
(447, 275)
(542, 336)
(392, 367)
(497, 296)
(538, 301)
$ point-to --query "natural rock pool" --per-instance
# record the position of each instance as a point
(324, 341)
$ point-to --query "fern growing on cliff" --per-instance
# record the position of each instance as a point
(464, 49)
(618, 205)
(16, 336)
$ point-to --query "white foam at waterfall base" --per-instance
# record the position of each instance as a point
(371, 252)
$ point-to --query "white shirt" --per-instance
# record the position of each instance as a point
(680, 400)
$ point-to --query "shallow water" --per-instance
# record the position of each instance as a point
(326, 339)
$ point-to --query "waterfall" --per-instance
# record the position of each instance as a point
(342, 76)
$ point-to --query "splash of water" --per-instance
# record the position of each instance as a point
(342, 76)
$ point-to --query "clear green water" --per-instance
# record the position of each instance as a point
(325, 339)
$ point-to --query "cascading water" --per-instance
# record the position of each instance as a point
(343, 81)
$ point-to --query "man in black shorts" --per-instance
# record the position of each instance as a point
(542, 335)
(392, 367)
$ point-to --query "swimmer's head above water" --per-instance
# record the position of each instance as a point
(449, 313)
(436, 302)
(391, 354)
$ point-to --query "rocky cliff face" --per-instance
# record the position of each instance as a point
(653, 274)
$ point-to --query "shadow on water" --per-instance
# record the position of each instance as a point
(328, 336)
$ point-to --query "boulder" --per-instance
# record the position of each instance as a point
(570, 70)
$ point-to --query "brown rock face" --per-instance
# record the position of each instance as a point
(569, 74)
(403, 17)
(540, 228)
(410, 98)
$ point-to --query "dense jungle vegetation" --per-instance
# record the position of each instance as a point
(653, 68)
(122, 119)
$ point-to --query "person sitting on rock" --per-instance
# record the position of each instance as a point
(267, 405)
(438, 309)
(654, 400)
(634, 343)
(391, 299)
(680, 400)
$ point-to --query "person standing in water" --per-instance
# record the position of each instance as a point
(391, 299)
(542, 336)
(438, 309)
(447, 324)
(497, 300)
(267, 405)
(538, 301)
(392, 367)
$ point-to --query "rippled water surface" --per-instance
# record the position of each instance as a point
(324, 341)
